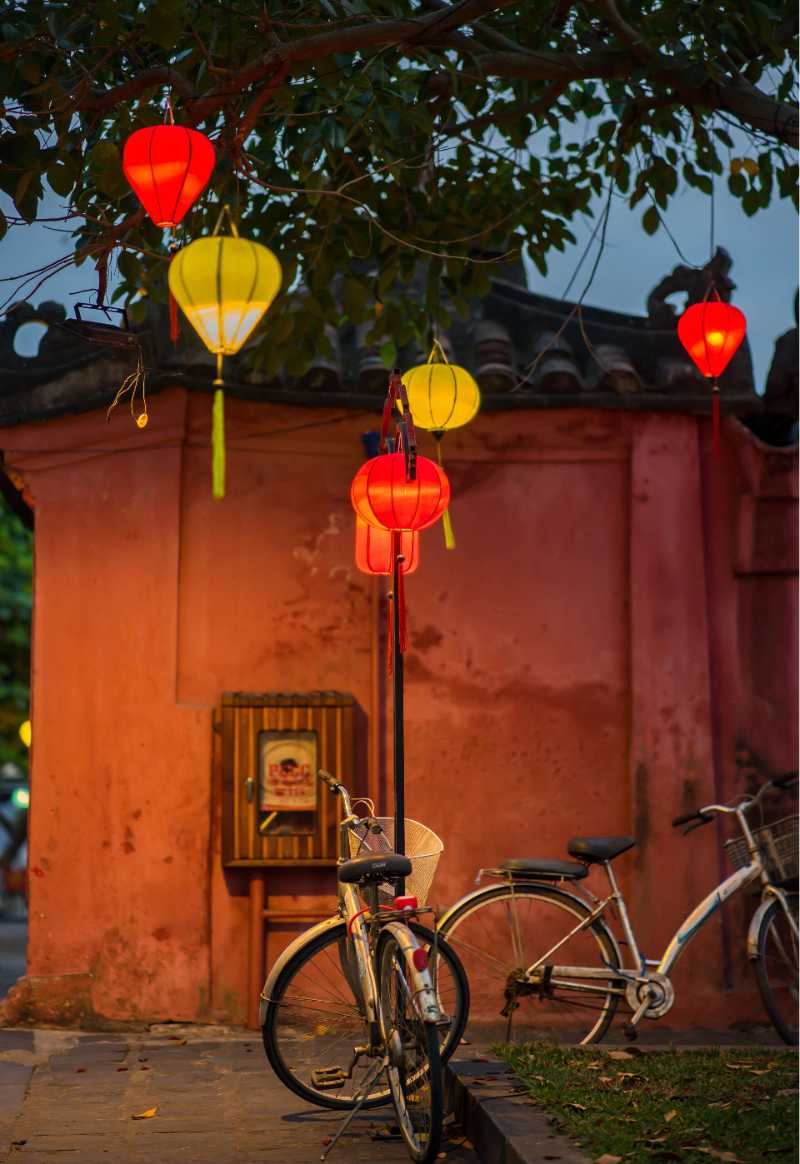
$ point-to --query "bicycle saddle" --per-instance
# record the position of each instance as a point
(381, 867)
(599, 848)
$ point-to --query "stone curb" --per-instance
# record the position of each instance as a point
(505, 1125)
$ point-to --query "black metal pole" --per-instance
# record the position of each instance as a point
(397, 711)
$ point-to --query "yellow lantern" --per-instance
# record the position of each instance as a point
(441, 396)
(223, 284)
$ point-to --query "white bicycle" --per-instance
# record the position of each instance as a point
(365, 1006)
(532, 941)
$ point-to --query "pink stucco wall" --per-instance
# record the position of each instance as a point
(612, 634)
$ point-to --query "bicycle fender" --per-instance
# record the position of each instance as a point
(289, 952)
(425, 996)
(755, 924)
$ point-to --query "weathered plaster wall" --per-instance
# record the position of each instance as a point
(586, 661)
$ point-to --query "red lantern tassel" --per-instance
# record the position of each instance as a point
(174, 325)
(389, 633)
(715, 419)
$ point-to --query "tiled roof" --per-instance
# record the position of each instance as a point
(526, 351)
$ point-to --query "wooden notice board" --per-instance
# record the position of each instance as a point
(274, 809)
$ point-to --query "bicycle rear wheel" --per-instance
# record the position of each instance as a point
(313, 1023)
(776, 967)
(415, 1070)
(505, 929)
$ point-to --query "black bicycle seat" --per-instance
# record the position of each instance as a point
(599, 848)
(381, 867)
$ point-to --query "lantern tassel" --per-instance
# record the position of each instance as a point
(715, 419)
(218, 436)
(174, 325)
(447, 524)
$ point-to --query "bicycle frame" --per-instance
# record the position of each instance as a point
(361, 975)
(688, 928)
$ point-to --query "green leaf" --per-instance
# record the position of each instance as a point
(60, 179)
(388, 353)
(354, 294)
(651, 220)
(105, 167)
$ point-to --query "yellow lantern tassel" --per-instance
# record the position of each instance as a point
(218, 436)
(447, 524)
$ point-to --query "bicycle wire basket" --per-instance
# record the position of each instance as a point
(777, 843)
(423, 848)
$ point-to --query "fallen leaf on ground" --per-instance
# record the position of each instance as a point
(607, 1158)
(670, 1115)
(716, 1154)
(576, 1106)
(787, 1091)
(722, 1103)
(145, 1115)
(178, 1041)
(620, 1055)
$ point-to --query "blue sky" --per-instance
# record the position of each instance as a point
(763, 248)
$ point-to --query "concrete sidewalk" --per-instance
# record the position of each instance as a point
(66, 1096)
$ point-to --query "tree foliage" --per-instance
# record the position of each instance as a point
(16, 568)
(365, 139)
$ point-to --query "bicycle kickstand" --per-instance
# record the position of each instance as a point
(362, 1093)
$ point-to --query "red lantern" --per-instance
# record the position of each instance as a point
(374, 549)
(711, 332)
(382, 496)
(168, 167)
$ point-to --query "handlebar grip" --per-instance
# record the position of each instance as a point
(785, 780)
(690, 816)
(326, 778)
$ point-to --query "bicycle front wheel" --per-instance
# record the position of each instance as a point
(313, 1023)
(412, 1044)
(776, 966)
(504, 931)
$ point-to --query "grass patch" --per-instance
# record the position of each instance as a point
(728, 1104)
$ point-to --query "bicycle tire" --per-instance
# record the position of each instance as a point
(490, 960)
(414, 1071)
(293, 1061)
(776, 968)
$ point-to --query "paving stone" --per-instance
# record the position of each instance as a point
(217, 1103)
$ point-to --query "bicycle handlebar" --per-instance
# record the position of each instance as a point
(699, 815)
(704, 815)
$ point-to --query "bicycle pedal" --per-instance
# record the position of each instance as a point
(327, 1078)
(630, 1032)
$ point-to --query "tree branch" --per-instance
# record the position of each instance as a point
(159, 76)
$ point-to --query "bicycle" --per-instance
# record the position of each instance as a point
(368, 994)
(495, 928)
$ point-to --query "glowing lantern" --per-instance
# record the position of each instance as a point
(374, 549)
(383, 496)
(168, 167)
(711, 332)
(224, 285)
(441, 396)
